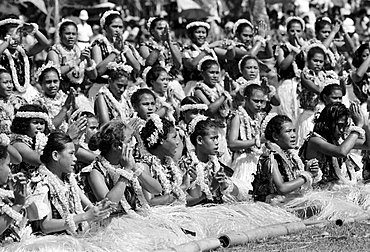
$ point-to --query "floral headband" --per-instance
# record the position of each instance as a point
(193, 123)
(198, 106)
(154, 137)
(44, 67)
(119, 67)
(149, 22)
(29, 114)
(64, 20)
(105, 15)
(198, 24)
(202, 60)
(145, 72)
(299, 19)
(239, 22)
(4, 140)
(10, 21)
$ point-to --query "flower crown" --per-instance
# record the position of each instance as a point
(325, 19)
(4, 140)
(105, 15)
(197, 24)
(119, 67)
(241, 21)
(31, 114)
(149, 22)
(44, 67)
(202, 60)
(145, 72)
(193, 123)
(199, 106)
(154, 137)
(299, 19)
(11, 21)
(307, 48)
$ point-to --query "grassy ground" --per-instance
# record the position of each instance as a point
(349, 237)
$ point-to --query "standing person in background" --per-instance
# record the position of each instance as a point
(84, 31)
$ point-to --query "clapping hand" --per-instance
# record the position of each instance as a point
(127, 158)
(19, 185)
(313, 166)
(77, 128)
(357, 115)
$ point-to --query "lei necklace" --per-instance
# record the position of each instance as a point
(18, 86)
(77, 74)
(22, 138)
(169, 175)
(165, 58)
(66, 206)
(111, 48)
(5, 208)
(40, 142)
(53, 105)
(201, 169)
(200, 49)
(253, 128)
(214, 93)
(122, 108)
(115, 172)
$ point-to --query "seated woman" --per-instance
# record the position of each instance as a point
(280, 170)
(160, 139)
(332, 139)
(63, 204)
(210, 180)
(113, 100)
(11, 201)
(29, 127)
(143, 102)
(114, 174)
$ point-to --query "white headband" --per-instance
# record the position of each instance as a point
(241, 21)
(300, 20)
(198, 106)
(105, 15)
(198, 24)
(44, 67)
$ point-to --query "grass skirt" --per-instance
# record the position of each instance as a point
(304, 125)
(245, 166)
(289, 103)
(165, 226)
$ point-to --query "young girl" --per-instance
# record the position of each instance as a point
(11, 201)
(280, 170)
(58, 104)
(157, 79)
(30, 127)
(9, 102)
(113, 101)
(313, 79)
(62, 207)
(15, 58)
(332, 139)
(114, 174)
(246, 135)
(210, 179)
(160, 140)
(290, 60)
(249, 68)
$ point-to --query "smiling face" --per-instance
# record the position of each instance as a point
(286, 139)
(68, 36)
(199, 36)
(50, 83)
(6, 85)
(250, 70)
(211, 76)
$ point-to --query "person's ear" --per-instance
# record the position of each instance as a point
(275, 136)
(199, 140)
(55, 155)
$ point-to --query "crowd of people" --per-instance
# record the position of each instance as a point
(116, 128)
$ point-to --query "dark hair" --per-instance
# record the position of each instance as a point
(113, 133)
(249, 90)
(328, 90)
(242, 26)
(47, 70)
(3, 70)
(244, 60)
(4, 29)
(56, 142)
(191, 100)
(64, 26)
(208, 63)
(328, 117)
(202, 127)
(117, 74)
(3, 151)
(316, 49)
(136, 97)
(153, 74)
(357, 60)
(88, 114)
(320, 24)
(20, 125)
(289, 24)
(149, 128)
(110, 18)
(275, 125)
(192, 29)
